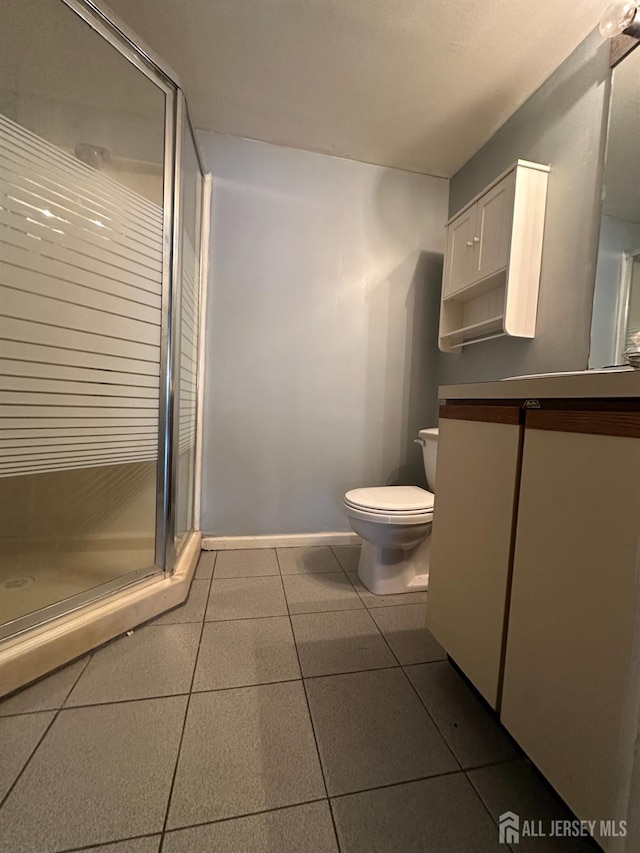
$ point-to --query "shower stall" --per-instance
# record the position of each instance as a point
(101, 240)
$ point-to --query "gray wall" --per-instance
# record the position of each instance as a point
(562, 124)
(321, 334)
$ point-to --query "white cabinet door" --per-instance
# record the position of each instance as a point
(478, 461)
(459, 271)
(493, 228)
(570, 662)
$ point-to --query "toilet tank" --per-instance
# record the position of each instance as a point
(429, 441)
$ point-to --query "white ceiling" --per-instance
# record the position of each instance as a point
(417, 84)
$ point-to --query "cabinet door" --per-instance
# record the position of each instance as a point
(478, 463)
(574, 603)
(493, 228)
(459, 266)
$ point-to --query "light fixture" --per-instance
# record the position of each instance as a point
(620, 18)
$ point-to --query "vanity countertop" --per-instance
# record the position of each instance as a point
(592, 384)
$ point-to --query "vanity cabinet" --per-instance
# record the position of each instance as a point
(534, 579)
(492, 260)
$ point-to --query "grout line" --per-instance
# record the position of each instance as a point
(242, 816)
(399, 604)
(278, 615)
(489, 764)
(429, 714)
(245, 577)
(313, 730)
(355, 588)
(101, 844)
(481, 798)
(444, 739)
(124, 701)
(384, 637)
(442, 775)
(351, 672)
(186, 712)
(183, 693)
(246, 686)
(331, 571)
(333, 821)
(213, 564)
(254, 684)
(31, 713)
(44, 734)
(335, 557)
(366, 610)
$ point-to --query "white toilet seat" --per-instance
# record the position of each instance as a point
(391, 504)
(389, 517)
(405, 499)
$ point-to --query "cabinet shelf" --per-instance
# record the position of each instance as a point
(492, 262)
(476, 332)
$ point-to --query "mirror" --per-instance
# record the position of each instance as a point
(616, 303)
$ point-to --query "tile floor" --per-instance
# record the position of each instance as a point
(282, 709)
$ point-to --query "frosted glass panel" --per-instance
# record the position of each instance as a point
(79, 281)
(81, 262)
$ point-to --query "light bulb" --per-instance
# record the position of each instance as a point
(616, 19)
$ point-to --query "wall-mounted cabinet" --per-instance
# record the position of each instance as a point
(492, 261)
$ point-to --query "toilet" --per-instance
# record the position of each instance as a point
(394, 523)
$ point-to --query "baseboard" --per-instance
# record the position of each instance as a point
(42, 650)
(293, 540)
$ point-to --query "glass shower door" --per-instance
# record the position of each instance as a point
(82, 311)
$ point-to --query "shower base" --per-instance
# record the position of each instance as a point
(41, 650)
(37, 575)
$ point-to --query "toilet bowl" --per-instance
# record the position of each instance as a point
(394, 523)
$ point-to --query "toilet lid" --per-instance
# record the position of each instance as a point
(401, 499)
